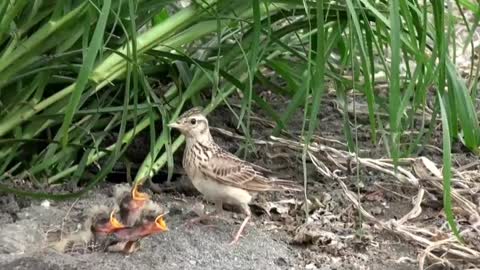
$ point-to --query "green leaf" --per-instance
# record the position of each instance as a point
(447, 170)
(87, 67)
(394, 95)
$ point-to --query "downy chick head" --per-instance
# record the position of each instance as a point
(150, 222)
(151, 219)
(100, 219)
(130, 202)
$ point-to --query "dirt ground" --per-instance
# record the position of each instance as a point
(196, 247)
(336, 236)
(265, 245)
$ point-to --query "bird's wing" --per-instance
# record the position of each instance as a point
(227, 169)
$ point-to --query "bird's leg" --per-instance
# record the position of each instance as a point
(218, 207)
(247, 211)
(207, 216)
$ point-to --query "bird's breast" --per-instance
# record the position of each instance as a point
(214, 190)
(211, 189)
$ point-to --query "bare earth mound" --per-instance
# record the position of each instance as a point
(22, 243)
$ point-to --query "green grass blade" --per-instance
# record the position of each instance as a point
(358, 33)
(394, 95)
(318, 82)
(465, 109)
(87, 67)
(447, 170)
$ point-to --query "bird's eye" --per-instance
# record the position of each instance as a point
(193, 121)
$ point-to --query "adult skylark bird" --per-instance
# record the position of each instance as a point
(219, 175)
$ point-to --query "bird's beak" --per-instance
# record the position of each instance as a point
(161, 224)
(137, 195)
(174, 125)
(114, 223)
(110, 227)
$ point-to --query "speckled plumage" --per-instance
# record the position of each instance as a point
(219, 175)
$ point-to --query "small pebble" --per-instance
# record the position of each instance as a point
(45, 204)
(377, 210)
(280, 261)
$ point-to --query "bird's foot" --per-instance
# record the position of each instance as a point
(235, 240)
(239, 232)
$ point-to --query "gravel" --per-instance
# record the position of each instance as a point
(23, 244)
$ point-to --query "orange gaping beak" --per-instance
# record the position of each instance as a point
(114, 222)
(112, 225)
(150, 228)
(139, 196)
(160, 223)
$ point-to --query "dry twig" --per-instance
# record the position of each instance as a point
(421, 173)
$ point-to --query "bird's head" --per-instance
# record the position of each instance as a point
(129, 199)
(192, 124)
(151, 219)
(101, 220)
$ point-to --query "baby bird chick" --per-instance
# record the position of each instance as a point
(130, 202)
(100, 222)
(150, 221)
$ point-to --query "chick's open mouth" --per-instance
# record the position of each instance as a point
(114, 222)
(139, 196)
(160, 223)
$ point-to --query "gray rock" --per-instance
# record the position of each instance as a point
(20, 237)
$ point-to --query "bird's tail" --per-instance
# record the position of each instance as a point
(285, 185)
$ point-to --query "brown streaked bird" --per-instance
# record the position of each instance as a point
(130, 202)
(150, 222)
(219, 175)
(100, 223)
